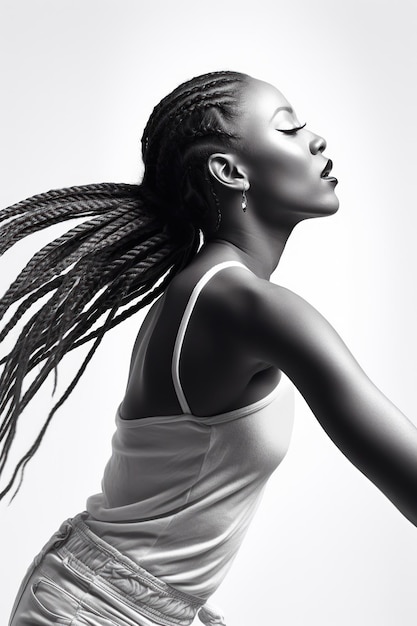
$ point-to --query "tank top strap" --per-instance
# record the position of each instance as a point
(175, 368)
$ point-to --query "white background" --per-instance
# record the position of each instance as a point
(79, 79)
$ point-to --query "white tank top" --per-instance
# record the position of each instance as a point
(179, 491)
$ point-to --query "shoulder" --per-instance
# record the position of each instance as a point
(277, 325)
(229, 293)
(218, 285)
(235, 291)
(242, 294)
(234, 295)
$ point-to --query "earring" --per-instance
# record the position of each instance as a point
(244, 199)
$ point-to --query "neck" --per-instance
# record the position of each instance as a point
(259, 249)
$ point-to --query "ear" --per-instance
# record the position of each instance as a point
(225, 169)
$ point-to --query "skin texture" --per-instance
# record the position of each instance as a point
(235, 348)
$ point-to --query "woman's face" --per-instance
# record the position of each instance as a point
(285, 169)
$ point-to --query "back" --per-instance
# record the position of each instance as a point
(181, 489)
(217, 371)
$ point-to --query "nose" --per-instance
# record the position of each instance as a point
(317, 144)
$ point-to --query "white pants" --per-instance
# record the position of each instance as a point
(80, 580)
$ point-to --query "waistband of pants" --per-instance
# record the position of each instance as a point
(91, 558)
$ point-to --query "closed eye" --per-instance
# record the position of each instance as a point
(291, 131)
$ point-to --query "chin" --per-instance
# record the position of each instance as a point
(322, 209)
(328, 205)
(329, 209)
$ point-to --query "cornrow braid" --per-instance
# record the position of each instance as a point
(186, 126)
(131, 241)
(196, 86)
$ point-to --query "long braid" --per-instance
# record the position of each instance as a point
(130, 243)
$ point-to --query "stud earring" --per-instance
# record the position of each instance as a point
(244, 199)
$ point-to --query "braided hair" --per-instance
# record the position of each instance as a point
(136, 238)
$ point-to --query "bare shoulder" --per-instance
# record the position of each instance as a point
(261, 309)
(261, 322)
(263, 306)
(229, 296)
(225, 293)
(282, 329)
(266, 319)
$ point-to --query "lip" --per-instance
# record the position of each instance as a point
(327, 169)
(331, 179)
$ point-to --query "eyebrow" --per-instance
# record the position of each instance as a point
(289, 109)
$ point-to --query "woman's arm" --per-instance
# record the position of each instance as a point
(374, 435)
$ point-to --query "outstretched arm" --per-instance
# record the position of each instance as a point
(372, 433)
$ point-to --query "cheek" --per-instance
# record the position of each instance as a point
(287, 157)
(283, 170)
(288, 174)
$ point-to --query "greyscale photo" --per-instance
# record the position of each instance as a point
(192, 413)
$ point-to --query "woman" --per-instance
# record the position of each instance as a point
(207, 413)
